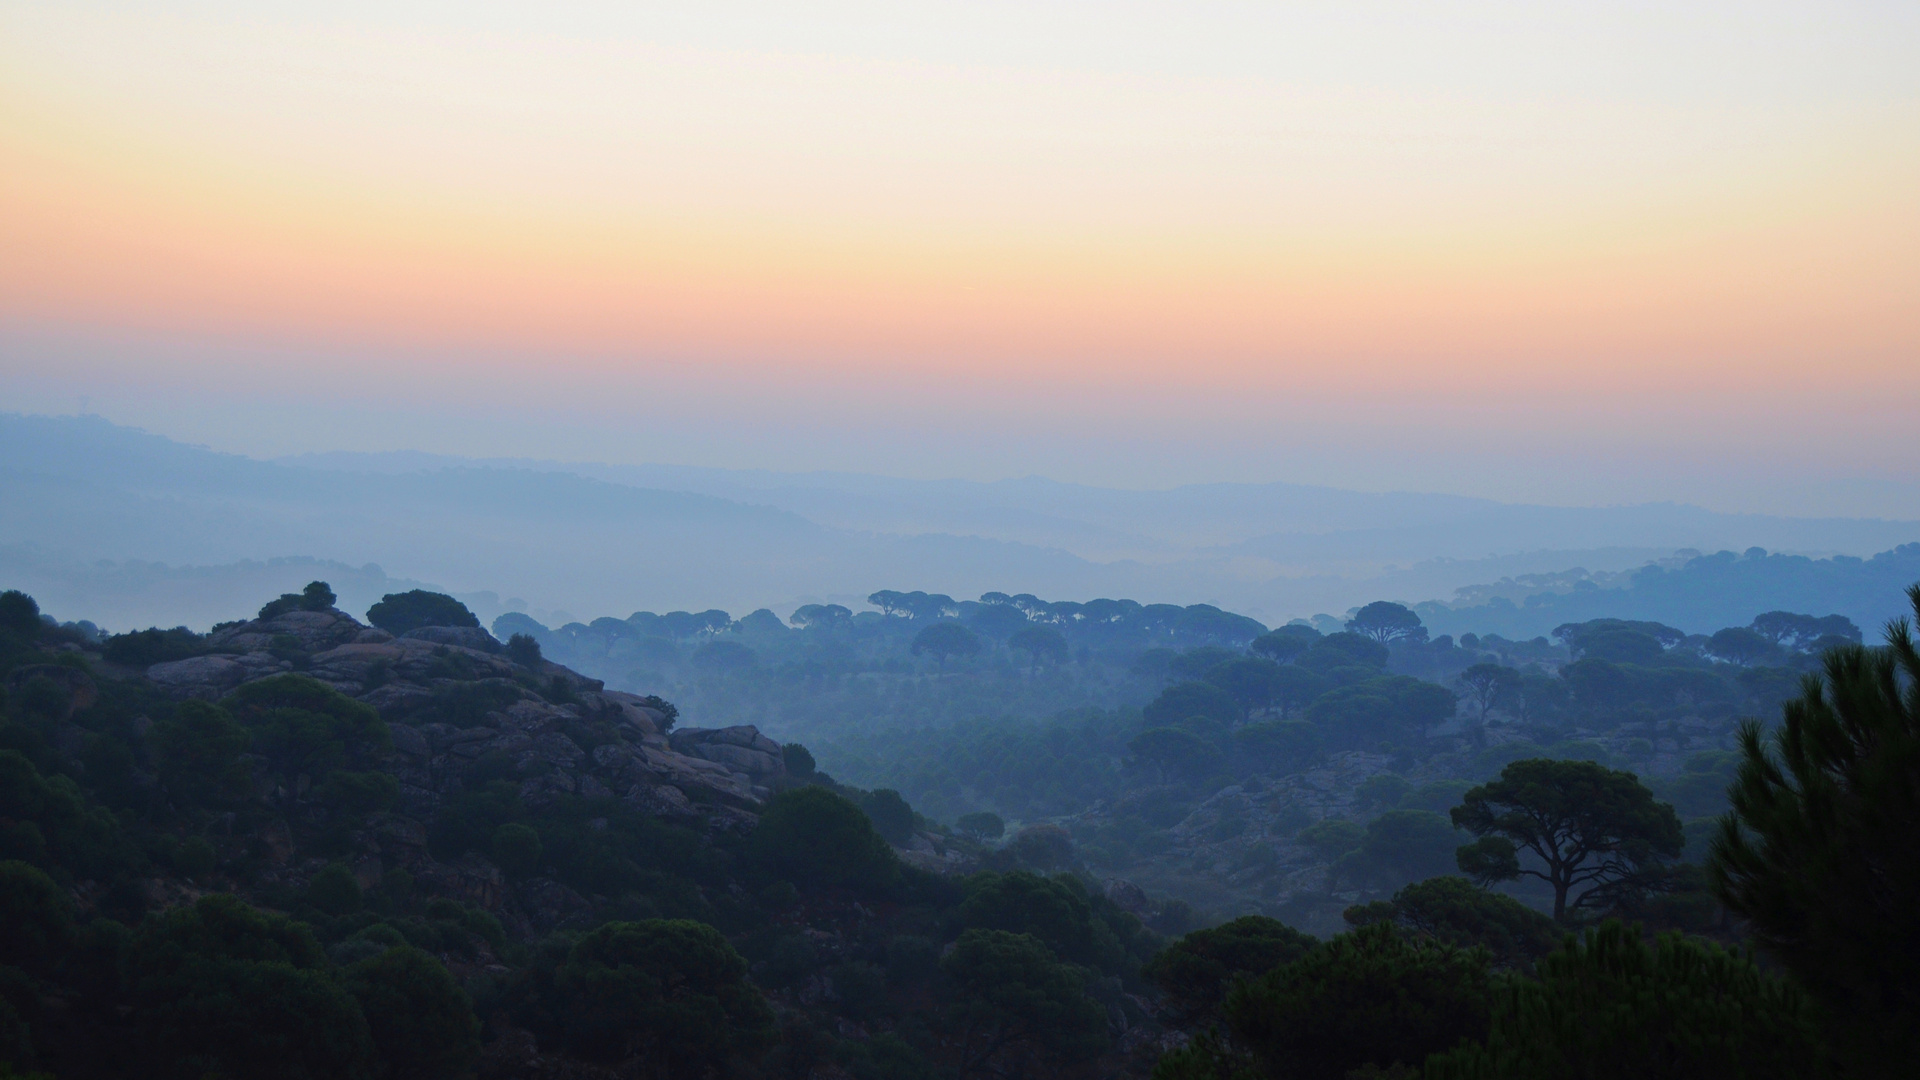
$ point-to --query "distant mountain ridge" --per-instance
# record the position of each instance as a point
(600, 539)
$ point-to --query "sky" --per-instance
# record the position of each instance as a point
(1556, 252)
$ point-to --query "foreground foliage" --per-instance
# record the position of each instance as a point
(1819, 852)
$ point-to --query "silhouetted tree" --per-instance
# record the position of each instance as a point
(1739, 645)
(1487, 685)
(1590, 827)
(1197, 971)
(397, 613)
(819, 616)
(981, 825)
(1285, 643)
(1455, 910)
(317, 596)
(1384, 621)
(945, 640)
(1041, 644)
(1818, 853)
(524, 650)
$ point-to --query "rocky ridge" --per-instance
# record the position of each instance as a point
(459, 713)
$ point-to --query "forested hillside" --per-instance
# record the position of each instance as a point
(1187, 749)
(1700, 593)
(308, 845)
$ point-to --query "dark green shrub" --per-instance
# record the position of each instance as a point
(142, 648)
(799, 761)
(810, 834)
(36, 919)
(317, 596)
(334, 890)
(421, 1021)
(196, 857)
(1056, 911)
(224, 989)
(397, 613)
(892, 818)
(982, 826)
(1012, 994)
(19, 614)
(522, 649)
(516, 849)
(1611, 1005)
(1369, 997)
(1457, 911)
(305, 727)
(669, 994)
(1196, 972)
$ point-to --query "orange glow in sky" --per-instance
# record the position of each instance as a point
(1489, 213)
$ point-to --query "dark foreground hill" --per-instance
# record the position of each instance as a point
(300, 846)
(303, 846)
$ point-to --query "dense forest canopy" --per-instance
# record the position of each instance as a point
(1005, 836)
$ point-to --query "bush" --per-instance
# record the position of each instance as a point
(220, 988)
(1369, 997)
(334, 890)
(198, 750)
(981, 826)
(317, 596)
(305, 727)
(397, 613)
(356, 794)
(19, 614)
(668, 993)
(668, 711)
(522, 649)
(798, 759)
(36, 919)
(1196, 972)
(1011, 991)
(811, 834)
(516, 848)
(1456, 911)
(1612, 1005)
(421, 1022)
(1055, 911)
(892, 818)
(142, 648)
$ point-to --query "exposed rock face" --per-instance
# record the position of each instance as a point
(311, 631)
(741, 750)
(211, 677)
(459, 714)
(467, 637)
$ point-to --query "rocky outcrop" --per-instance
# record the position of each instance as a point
(933, 853)
(308, 631)
(467, 637)
(459, 714)
(209, 678)
(741, 750)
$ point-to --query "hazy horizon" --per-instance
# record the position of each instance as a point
(1571, 255)
(125, 527)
